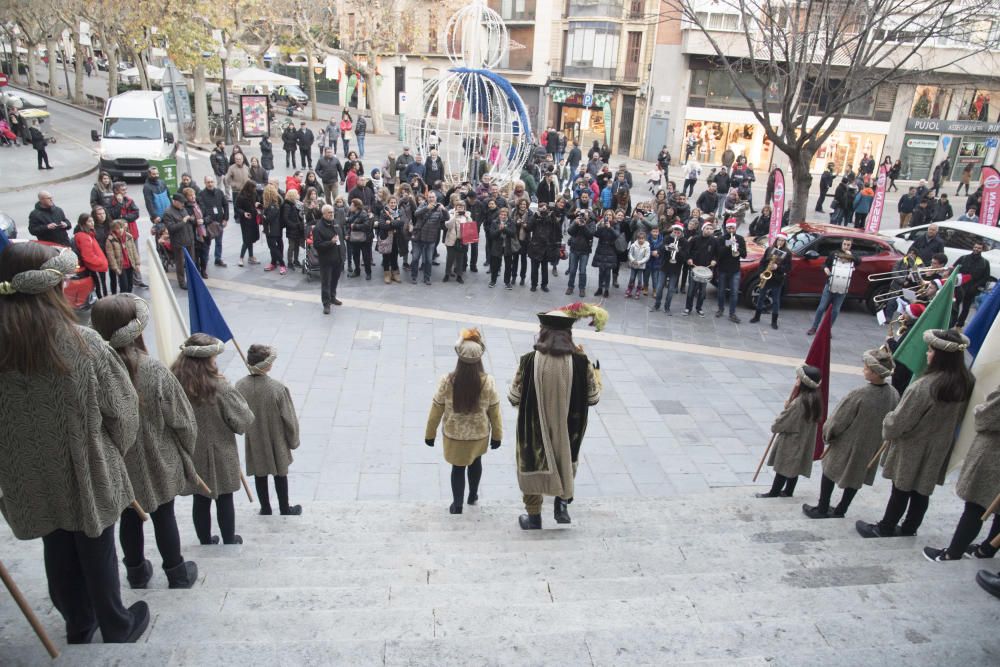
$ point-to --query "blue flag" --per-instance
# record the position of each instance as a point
(981, 322)
(202, 311)
(4, 241)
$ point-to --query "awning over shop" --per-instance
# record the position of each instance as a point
(561, 94)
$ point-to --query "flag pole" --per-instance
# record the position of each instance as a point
(28, 612)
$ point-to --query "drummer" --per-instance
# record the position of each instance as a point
(702, 251)
(839, 268)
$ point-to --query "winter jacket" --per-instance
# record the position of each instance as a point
(655, 252)
(304, 138)
(91, 254)
(289, 139)
(213, 205)
(237, 176)
(116, 249)
(794, 441)
(101, 197)
(216, 458)
(702, 250)
(854, 433)
(219, 161)
(581, 237)
(266, 154)
(434, 170)
(274, 432)
(156, 196)
(708, 201)
(863, 201)
(39, 220)
(638, 255)
(980, 478)
(272, 221)
(361, 127)
(181, 231)
(329, 170)
(416, 169)
(680, 258)
(360, 221)
(546, 234)
(726, 262)
(428, 223)
(605, 256)
(291, 220)
(328, 239)
(453, 229)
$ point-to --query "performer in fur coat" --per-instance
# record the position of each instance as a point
(553, 389)
(795, 434)
(274, 432)
(853, 434)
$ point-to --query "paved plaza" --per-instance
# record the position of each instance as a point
(669, 560)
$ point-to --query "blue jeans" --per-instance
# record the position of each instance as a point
(578, 265)
(825, 300)
(730, 281)
(695, 290)
(218, 245)
(635, 279)
(666, 286)
(361, 144)
(421, 251)
(772, 291)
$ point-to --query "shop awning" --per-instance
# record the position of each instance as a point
(561, 94)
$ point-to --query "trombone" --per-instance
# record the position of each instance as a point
(884, 297)
(903, 273)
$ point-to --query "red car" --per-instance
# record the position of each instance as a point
(810, 245)
(78, 288)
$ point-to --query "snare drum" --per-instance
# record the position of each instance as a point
(840, 277)
(701, 274)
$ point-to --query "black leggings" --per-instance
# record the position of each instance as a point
(912, 503)
(495, 263)
(168, 538)
(968, 529)
(390, 261)
(246, 248)
(201, 513)
(782, 483)
(458, 480)
(277, 247)
(280, 487)
(293, 252)
(826, 492)
(361, 253)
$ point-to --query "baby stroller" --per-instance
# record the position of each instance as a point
(163, 248)
(7, 137)
(310, 266)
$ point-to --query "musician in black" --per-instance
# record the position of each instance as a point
(702, 251)
(674, 253)
(777, 260)
(975, 266)
(732, 248)
(841, 257)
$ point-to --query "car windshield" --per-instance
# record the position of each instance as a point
(798, 241)
(131, 128)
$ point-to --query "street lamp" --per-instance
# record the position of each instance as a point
(223, 56)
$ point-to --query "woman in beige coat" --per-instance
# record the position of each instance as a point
(921, 431)
(853, 434)
(220, 412)
(274, 432)
(795, 434)
(68, 417)
(978, 485)
(467, 404)
(159, 465)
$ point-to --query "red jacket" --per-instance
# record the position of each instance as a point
(292, 183)
(91, 255)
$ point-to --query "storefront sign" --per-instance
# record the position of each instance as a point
(874, 219)
(921, 143)
(952, 126)
(990, 208)
(777, 205)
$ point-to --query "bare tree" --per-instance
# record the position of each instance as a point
(382, 25)
(799, 65)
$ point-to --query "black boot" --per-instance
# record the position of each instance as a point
(184, 575)
(561, 511)
(139, 575)
(816, 511)
(455, 508)
(774, 321)
(292, 510)
(530, 521)
(755, 318)
(140, 621)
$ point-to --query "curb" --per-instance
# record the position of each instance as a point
(55, 181)
(56, 99)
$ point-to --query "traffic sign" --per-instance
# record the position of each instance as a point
(3, 79)
(588, 99)
(992, 142)
(175, 94)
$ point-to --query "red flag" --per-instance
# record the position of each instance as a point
(777, 205)
(819, 356)
(989, 210)
(874, 219)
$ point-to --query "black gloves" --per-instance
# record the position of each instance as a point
(494, 444)
(597, 364)
(430, 442)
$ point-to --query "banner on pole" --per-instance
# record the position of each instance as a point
(874, 220)
(989, 210)
(777, 205)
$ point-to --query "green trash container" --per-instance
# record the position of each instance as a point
(168, 172)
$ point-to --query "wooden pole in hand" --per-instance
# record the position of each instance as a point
(995, 542)
(878, 454)
(138, 510)
(992, 508)
(764, 458)
(28, 612)
(200, 482)
(825, 452)
(246, 486)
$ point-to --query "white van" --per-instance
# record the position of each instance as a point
(134, 132)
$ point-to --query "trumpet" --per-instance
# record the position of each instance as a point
(674, 248)
(901, 324)
(902, 273)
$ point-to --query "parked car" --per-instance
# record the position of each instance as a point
(8, 226)
(958, 238)
(285, 93)
(810, 245)
(78, 288)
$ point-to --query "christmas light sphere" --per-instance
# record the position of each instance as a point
(477, 37)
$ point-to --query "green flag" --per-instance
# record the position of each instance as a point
(912, 352)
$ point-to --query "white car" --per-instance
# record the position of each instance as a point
(958, 238)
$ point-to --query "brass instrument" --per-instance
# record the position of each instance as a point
(674, 248)
(920, 290)
(902, 273)
(734, 245)
(772, 266)
(902, 325)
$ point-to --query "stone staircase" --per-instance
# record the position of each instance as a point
(718, 578)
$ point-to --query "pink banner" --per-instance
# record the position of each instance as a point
(777, 205)
(990, 208)
(874, 219)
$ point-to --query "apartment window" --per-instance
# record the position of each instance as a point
(633, 52)
(636, 10)
(432, 32)
(593, 46)
(719, 21)
(582, 8)
(518, 56)
(514, 10)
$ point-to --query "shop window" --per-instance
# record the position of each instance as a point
(930, 102)
(980, 104)
(917, 156)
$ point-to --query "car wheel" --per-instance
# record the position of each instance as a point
(870, 298)
(751, 292)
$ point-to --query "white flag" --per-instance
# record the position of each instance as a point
(986, 368)
(168, 324)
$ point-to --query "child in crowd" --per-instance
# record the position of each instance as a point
(274, 432)
(795, 434)
(638, 256)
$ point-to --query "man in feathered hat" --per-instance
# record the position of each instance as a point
(553, 389)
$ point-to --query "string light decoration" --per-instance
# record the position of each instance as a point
(471, 111)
